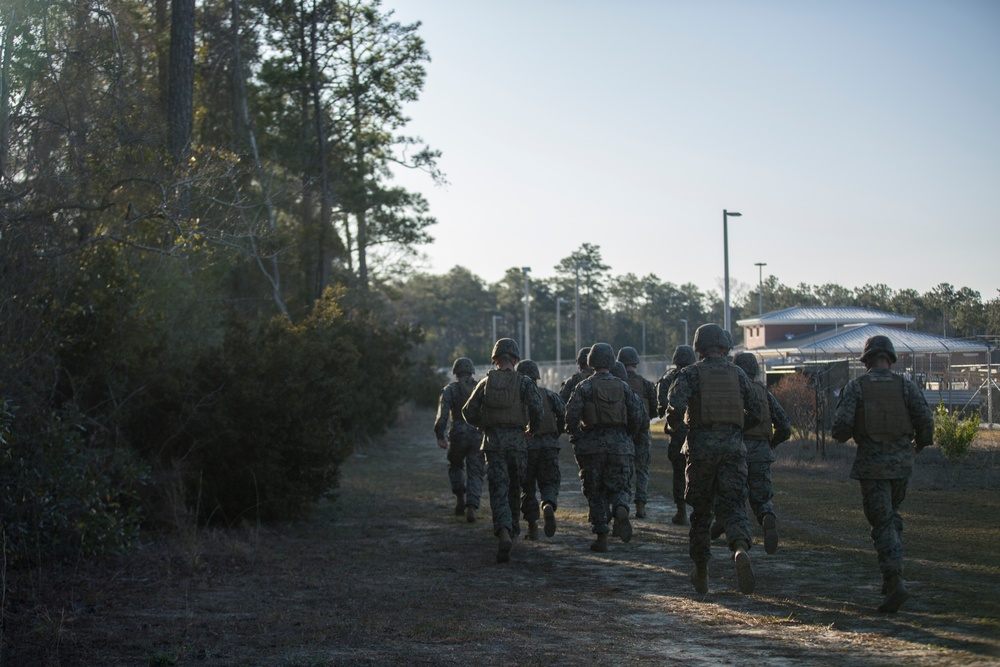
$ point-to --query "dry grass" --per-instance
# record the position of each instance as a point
(388, 575)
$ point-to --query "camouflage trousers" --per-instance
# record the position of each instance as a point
(716, 480)
(678, 462)
(505, 470)
(466, 468)
(642, 444)
(761, 492)
(881, 499)
(606, 479)
(542, 474)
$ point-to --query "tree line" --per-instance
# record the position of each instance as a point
(457, 311)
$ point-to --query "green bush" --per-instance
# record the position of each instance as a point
(64, 494)
(953, 434)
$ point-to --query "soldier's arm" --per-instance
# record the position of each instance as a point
(843, 416)
(635, 413)
(443, 413)
(574, 410)
(753, 413)
(678, 396)
(920, 416)
(782, 424)
(559, 408)
(471, 409)
(662, 389)
(531, 397)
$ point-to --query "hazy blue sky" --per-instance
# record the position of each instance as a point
(860, 140)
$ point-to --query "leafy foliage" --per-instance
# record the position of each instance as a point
(65, 495)
(953, 434)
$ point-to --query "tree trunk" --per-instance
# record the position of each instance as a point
(180, 102)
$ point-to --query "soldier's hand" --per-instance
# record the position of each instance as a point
(442, 443)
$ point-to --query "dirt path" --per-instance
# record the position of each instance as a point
(387, 575)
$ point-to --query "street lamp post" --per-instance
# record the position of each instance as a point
(559, 302)
(527, 322)
(576, 294)
(725, 251)
(760, 288)
(685, 330)
(495, 318)
(644, 338)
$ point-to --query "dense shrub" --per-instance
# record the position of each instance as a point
(65, 495)
(953, 434)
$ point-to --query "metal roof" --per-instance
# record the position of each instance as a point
(850, 341)
(826, 315)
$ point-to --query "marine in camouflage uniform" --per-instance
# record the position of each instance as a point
(889, 419)
(602, 415)
(716, 400)
(646, 391)
(543, 458)
(584, 372)
(684, 355)
(466, 461)
(500, 406)
(761, 440)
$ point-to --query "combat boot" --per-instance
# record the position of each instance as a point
(700, 577)
(718, 528)
(504, 545)
(640, 509)
(549, 511)
(895, 595)
(681, 517)
(532, 531)
(460, 502)
(601, 544)
(770, 525)
(745, 579)
(622, 525)
(470, 514)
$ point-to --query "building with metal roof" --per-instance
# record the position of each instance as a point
(818, 336)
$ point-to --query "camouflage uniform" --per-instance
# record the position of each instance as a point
(684, 355)
(760, 442)
(506, 449)
(543, 451)
(569, 384)
(603, 451)
(886, 446)
(466, 462)
(646, 391)
(716, 458)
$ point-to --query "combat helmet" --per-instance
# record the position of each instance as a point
(618, 370)
(748, 362)
(463, 366)
(506, 346)
(711, 335)
(684, 356)
(581, 356)
(529, 368)
(628, 356)
(876, 345)
(601, 355)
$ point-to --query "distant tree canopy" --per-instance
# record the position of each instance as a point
(644, 312)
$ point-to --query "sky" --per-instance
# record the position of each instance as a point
(860, 141)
